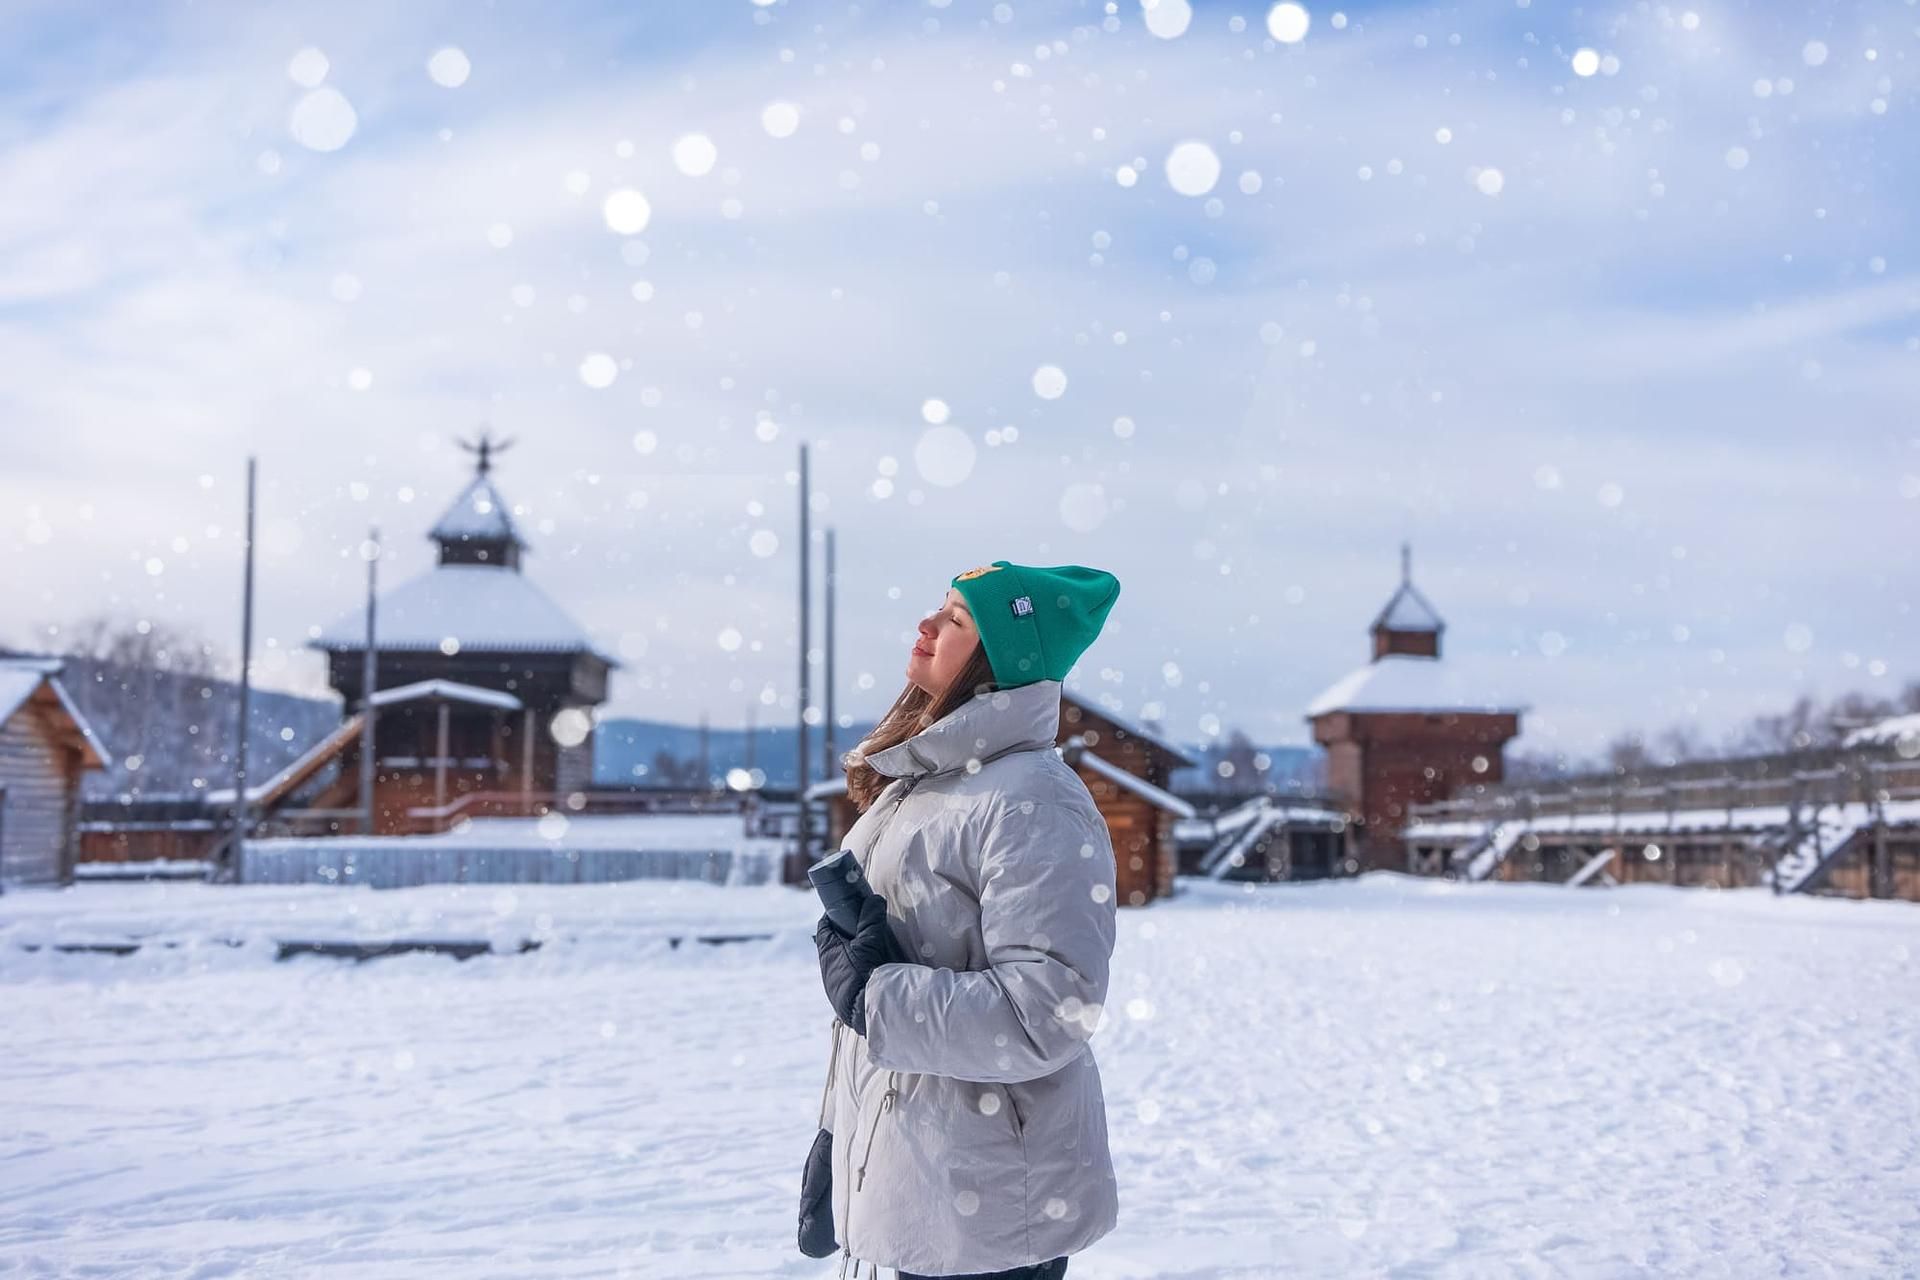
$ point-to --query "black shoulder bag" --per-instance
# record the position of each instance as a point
(816, 1179)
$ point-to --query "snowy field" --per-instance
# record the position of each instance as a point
(1369, 1078)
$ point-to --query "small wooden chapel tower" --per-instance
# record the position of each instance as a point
(1405, 729)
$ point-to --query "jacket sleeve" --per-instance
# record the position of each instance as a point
(1047, 917)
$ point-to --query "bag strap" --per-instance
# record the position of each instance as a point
(832, 1064)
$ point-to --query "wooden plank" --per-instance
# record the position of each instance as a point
(459, 949)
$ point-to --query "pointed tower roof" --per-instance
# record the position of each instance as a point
(1408, 623)
(1406, 672)
(478, 514)
(475, 598)
(478, 528)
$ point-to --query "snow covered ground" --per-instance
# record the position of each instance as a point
(1380, 1077)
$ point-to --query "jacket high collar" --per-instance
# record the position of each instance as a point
(984, 726)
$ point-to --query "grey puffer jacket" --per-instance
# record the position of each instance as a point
(969, 1128)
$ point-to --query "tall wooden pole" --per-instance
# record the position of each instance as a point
(369, 673)
(804, 844)
(706, 756)
(237, 850)
(826, 741)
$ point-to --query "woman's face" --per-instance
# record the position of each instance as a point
(946, 643)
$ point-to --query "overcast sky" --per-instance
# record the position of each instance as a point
(1611, 310)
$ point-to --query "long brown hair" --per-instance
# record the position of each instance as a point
(911, 712)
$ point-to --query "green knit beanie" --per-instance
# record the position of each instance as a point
(1036, 622)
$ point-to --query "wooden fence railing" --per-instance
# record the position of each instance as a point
(1847, 778)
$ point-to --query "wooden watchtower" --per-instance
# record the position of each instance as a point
(1405, 729)
(472, 625)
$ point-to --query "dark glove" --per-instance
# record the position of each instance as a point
(846, 963)
(816, 1198)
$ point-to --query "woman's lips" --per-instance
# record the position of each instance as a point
(922, 652)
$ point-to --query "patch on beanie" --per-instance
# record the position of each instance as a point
(1022, 606)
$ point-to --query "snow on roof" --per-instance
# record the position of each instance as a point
(1261, 806)
(1136, 730)
(479, 514)
(18, 682)
(829, 787)
(21, 678)
(1074, 751)
(483, 607)
(298, 770)
(449, 690)
(1408, 610)
(1895, 729)
(670, 832)
(1634, 824)
(1406, 682)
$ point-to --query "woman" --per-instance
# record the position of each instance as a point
(969, 1129)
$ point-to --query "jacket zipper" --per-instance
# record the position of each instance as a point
(913, 780)
(1019, 1121)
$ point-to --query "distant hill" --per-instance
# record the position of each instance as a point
(172, 735)
(1289, 768)
(630, 752)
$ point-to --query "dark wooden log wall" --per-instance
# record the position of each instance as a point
(40, 782)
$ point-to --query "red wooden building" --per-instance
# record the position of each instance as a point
(1407, 728)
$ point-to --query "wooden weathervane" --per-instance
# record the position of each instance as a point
(484, 446)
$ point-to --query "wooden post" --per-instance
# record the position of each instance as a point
(235, 869)
(440, 766)
(827, 763)
(802, 845)
(1793, 826)
(1880, 877)
(369, 677)
(526, 762)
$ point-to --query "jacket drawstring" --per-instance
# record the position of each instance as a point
(846, 1256)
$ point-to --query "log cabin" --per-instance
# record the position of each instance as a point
(45, 746)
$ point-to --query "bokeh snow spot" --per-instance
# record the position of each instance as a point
(627, 211)
(695, 155)
(323, 120)
(1288, 22)
(1167, 19)
(944, 455)
(449, 67)
(1083, 507)
(308, 68)
(780, 119)
(571, 726)
(598, 370)
(1192, 168)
